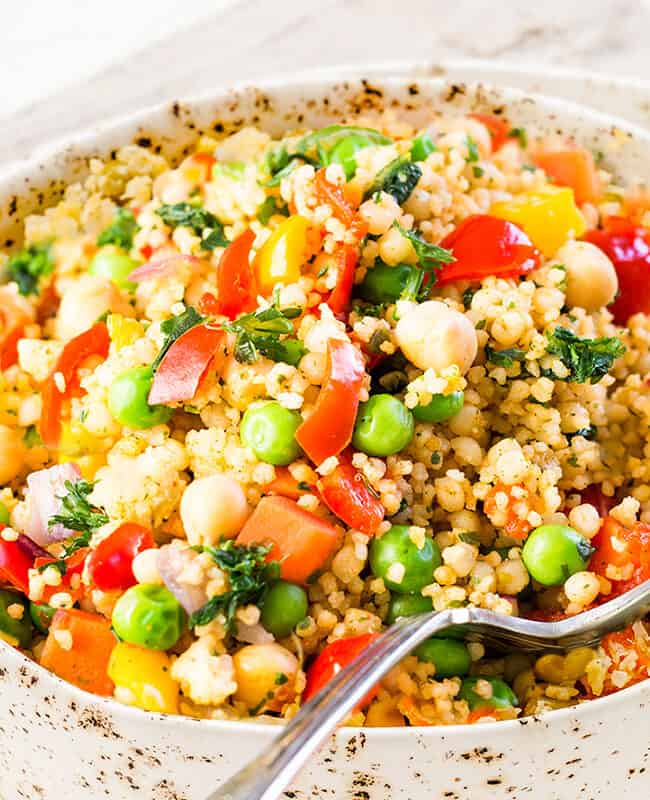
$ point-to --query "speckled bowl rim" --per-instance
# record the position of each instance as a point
(391, 72)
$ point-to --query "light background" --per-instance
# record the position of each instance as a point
(65, 64)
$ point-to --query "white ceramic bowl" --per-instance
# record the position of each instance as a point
(59, 742)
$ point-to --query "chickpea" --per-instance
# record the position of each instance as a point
(257, 668)
(432, 335)
(12, 453)
(83, 303)
(213, 507)
(591, 278)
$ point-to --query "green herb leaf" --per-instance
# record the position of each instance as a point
(79, 515)
(249, 575)
(121, 231)
(478, 172)
(31, 437)
(259, 332)
(270, 207)
(468, 296)
(520, 135)
(30, 265)
(472, 150)
(430, 256)
(589, 433)
(174, 328)
(202, 222)
(504, 358)
(368, 309)
(327, 137)
(398, 178)
(587, 360)
(469, 538)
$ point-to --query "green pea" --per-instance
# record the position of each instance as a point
(440, 407)
(344, 150)
(384, 284)
(449, 656)
(422, 146)
(396, 547)
(552, 553)
(149, 615)
(384, 426)
(4, 514)
(269, 429)
(41, 614)
(502, 694)
(407, 605)
(127, 400)
(284, 607)
(17, 631)
(115, 266)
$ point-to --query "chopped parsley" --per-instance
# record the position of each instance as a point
(270, 207)
(469, 538)
(174, 328)
(260, 332)
(504, 358)
(478, 172)
(31, 437)
(121, 231)
(249, 575)
(468, 296)
(430, 256)
(368, 309)
(398, 178)
(587, 360)
(202, 222)
(520, 135)
(472, 150)
(78, 514)
(436, 458)
(30, 265)
(281, 678)
(589, 433)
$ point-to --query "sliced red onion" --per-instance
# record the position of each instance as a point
(46, 488)
(172, 561)
(160, 267)
(253, 634)
(30, 548)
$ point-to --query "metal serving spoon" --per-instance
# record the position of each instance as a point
(267, 776)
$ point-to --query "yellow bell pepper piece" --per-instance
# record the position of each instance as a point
(123, 330)
(282, 255)
(549, 217)
(142, 678)
(79, 445)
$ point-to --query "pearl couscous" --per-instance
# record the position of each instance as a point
(258, 405)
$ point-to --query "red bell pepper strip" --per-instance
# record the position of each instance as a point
(497, 126)
(235, 280)
(346, 261)
(300, 541)
(573, 167)
(85, 663)
(184, 364)
(628, 247)
(332, 659)
(329, 429)
(16, 559)
(74, 566)
(110, 564)
(93, 342)
(626, 550)
(335, 197)
(345, 492)
(483, 246)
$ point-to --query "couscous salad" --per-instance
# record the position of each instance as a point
(256, 406)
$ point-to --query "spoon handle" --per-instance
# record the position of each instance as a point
(268, 775)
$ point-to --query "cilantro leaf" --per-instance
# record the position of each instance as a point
(430, 256)
(504, 358)
(202, 222)
(398, 178)
(174, 328)
(587, 360)
(121, 231)
(77, 514)
(249, 575)
(259, 332)
(30, 265)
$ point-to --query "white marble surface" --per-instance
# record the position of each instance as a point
(69, 63)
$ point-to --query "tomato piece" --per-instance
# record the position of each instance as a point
(332, 659)
(235, 280)
(573, 167)
(346, 261)
(110, 564)
(208, 304)
(300, 541)
(74, 565)
(484, 245)
(93, 342)
(626, 551)
(341, 205)
(345, 492)
(519, 505)
(85, 664)
(497, 126)
(15, 563)
(618, 646)
(329, 429)
(184, 364)
(628, 247)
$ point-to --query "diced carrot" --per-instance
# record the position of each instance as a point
(573, 167)
(286, 485)
(299, 540)
(91, 642)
